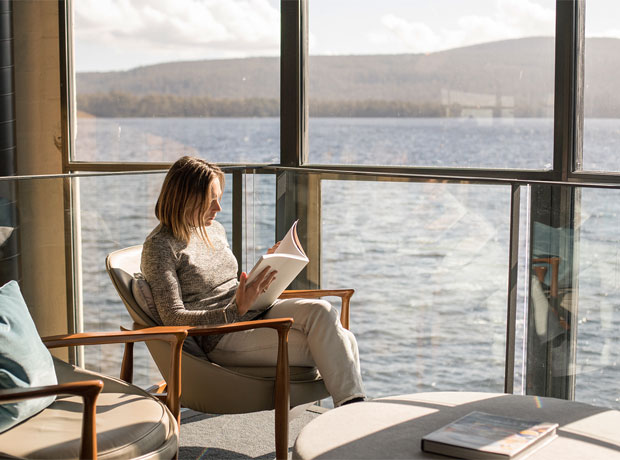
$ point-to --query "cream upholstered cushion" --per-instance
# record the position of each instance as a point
(142, 293)
(144, 298)
(127, 426)
(130, 424)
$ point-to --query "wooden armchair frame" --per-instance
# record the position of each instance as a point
(282, 379)
(281, 397)
(89, 389)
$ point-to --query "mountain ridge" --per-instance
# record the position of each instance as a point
(517, 73)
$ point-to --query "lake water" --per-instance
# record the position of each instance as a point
(428, 261)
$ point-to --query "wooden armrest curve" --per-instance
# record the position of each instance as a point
(89, 391)
(174, 333)
(277, 323)
(81, 388)
(344, 294)
(314, 293)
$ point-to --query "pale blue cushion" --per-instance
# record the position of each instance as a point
(24, 360)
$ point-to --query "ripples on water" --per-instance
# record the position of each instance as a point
(428, 261)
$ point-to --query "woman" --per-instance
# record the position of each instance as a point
(193, 276)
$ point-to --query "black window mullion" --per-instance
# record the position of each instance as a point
(291, 56)
(568, 86)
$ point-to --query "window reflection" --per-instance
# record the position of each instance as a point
(573, 314)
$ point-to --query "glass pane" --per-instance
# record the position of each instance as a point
(551, 281)
(601, 100)
(598, 318)
(429, 265)
(574, 295)
(259, 217)
(169, 78)
(399, 84)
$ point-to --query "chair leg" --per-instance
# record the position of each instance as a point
(281, 429)
(127, 364)
(282, 395)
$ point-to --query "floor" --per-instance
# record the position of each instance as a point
(239, 436)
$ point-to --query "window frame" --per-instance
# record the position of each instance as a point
(568, 106)
(567, 143)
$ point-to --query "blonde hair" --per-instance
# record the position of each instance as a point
(187, 188)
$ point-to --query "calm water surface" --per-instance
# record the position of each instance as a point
(428, 261)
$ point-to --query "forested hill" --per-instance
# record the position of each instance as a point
(513, 74)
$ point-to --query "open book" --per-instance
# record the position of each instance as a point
(288, 259)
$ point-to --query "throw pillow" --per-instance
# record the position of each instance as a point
(24, 360)
(144, 297)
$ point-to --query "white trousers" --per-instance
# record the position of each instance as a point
(316, 339)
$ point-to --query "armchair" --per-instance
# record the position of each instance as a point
(211, 388)
(130, 423)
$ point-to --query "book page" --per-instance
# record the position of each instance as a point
(289, 259)
(288, 267)
(290, 243)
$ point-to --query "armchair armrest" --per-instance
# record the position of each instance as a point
(280, 324)
(175, 335)
(344, 294)
(89, 391)
(167, 333)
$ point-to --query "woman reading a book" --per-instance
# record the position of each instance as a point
(192, 273)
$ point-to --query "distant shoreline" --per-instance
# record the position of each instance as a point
(124, 105)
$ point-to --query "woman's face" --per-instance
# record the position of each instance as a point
(214, 195)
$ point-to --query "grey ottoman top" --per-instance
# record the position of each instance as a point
(392, 427)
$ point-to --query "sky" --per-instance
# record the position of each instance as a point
(123, 34)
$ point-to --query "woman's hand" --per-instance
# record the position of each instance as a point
(273, 248)
(248, 292)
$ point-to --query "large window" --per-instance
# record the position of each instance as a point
(389, 83)
(158, 80)
(471, 87)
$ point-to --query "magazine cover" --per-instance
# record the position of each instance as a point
(480, 435)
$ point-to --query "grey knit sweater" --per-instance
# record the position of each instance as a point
(192, 284)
